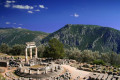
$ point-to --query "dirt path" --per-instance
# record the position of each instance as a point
(6, 70)
(75, 72)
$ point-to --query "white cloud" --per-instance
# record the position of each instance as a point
(37, 10)
(8, 2)
(22, 7)
(7, 5)
(41, 6)
(75, 15)
(7, 23)
(30, 11)
(19, 27)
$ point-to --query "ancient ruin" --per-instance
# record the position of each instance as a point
(34, 68)
(30, 45)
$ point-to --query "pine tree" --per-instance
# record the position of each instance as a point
(54, 49)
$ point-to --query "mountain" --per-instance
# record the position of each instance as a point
(93, 37)
(13, 36)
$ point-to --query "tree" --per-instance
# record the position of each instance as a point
(41, 50)
(73, 53)
(18, 49)
(54, 49)
(4, 48)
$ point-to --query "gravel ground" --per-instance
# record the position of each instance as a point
(75, 72)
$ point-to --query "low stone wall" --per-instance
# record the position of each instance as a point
(52, 72)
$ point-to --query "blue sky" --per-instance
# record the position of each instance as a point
(51, 15)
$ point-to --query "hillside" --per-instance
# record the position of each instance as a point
(13, 36)
(91, 37)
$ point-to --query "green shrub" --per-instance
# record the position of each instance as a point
(98, 62)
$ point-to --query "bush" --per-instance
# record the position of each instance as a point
(98, 62)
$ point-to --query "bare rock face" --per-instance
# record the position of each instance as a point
(93, 37)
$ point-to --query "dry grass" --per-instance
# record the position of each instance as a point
(4, 55)
(1, 77)
(37, 66)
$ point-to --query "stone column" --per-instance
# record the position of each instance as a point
(51, 69)
(21, 70)
(45, 70)
(30, 72)
(30, 53)
(36, 52)
(26, 56)
(24, 70)
(38, 71)
(59, 67)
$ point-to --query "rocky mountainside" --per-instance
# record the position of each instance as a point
(13, 36)
(91, 37)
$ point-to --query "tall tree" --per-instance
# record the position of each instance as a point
(18, 49)
(41, 50)
(54, 49)
(4, 48)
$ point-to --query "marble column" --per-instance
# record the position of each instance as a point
(30, 72)
(24, 70)
(36, 52)
(59, 67)
(51, 69)
(38, 72)
(26, 55)
(45, 70)
(30, 53)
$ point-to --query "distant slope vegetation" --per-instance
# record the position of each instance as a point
(13, 36)
(91, 37)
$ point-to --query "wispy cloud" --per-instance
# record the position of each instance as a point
(8, 2)
(30, 12)
(41, 6)
(29, 8)
(7, 22)
(22, 7)
(19, 27)
(7, 5)
(20, 24)
(14, 23)
(37, 10)
(75, 15)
